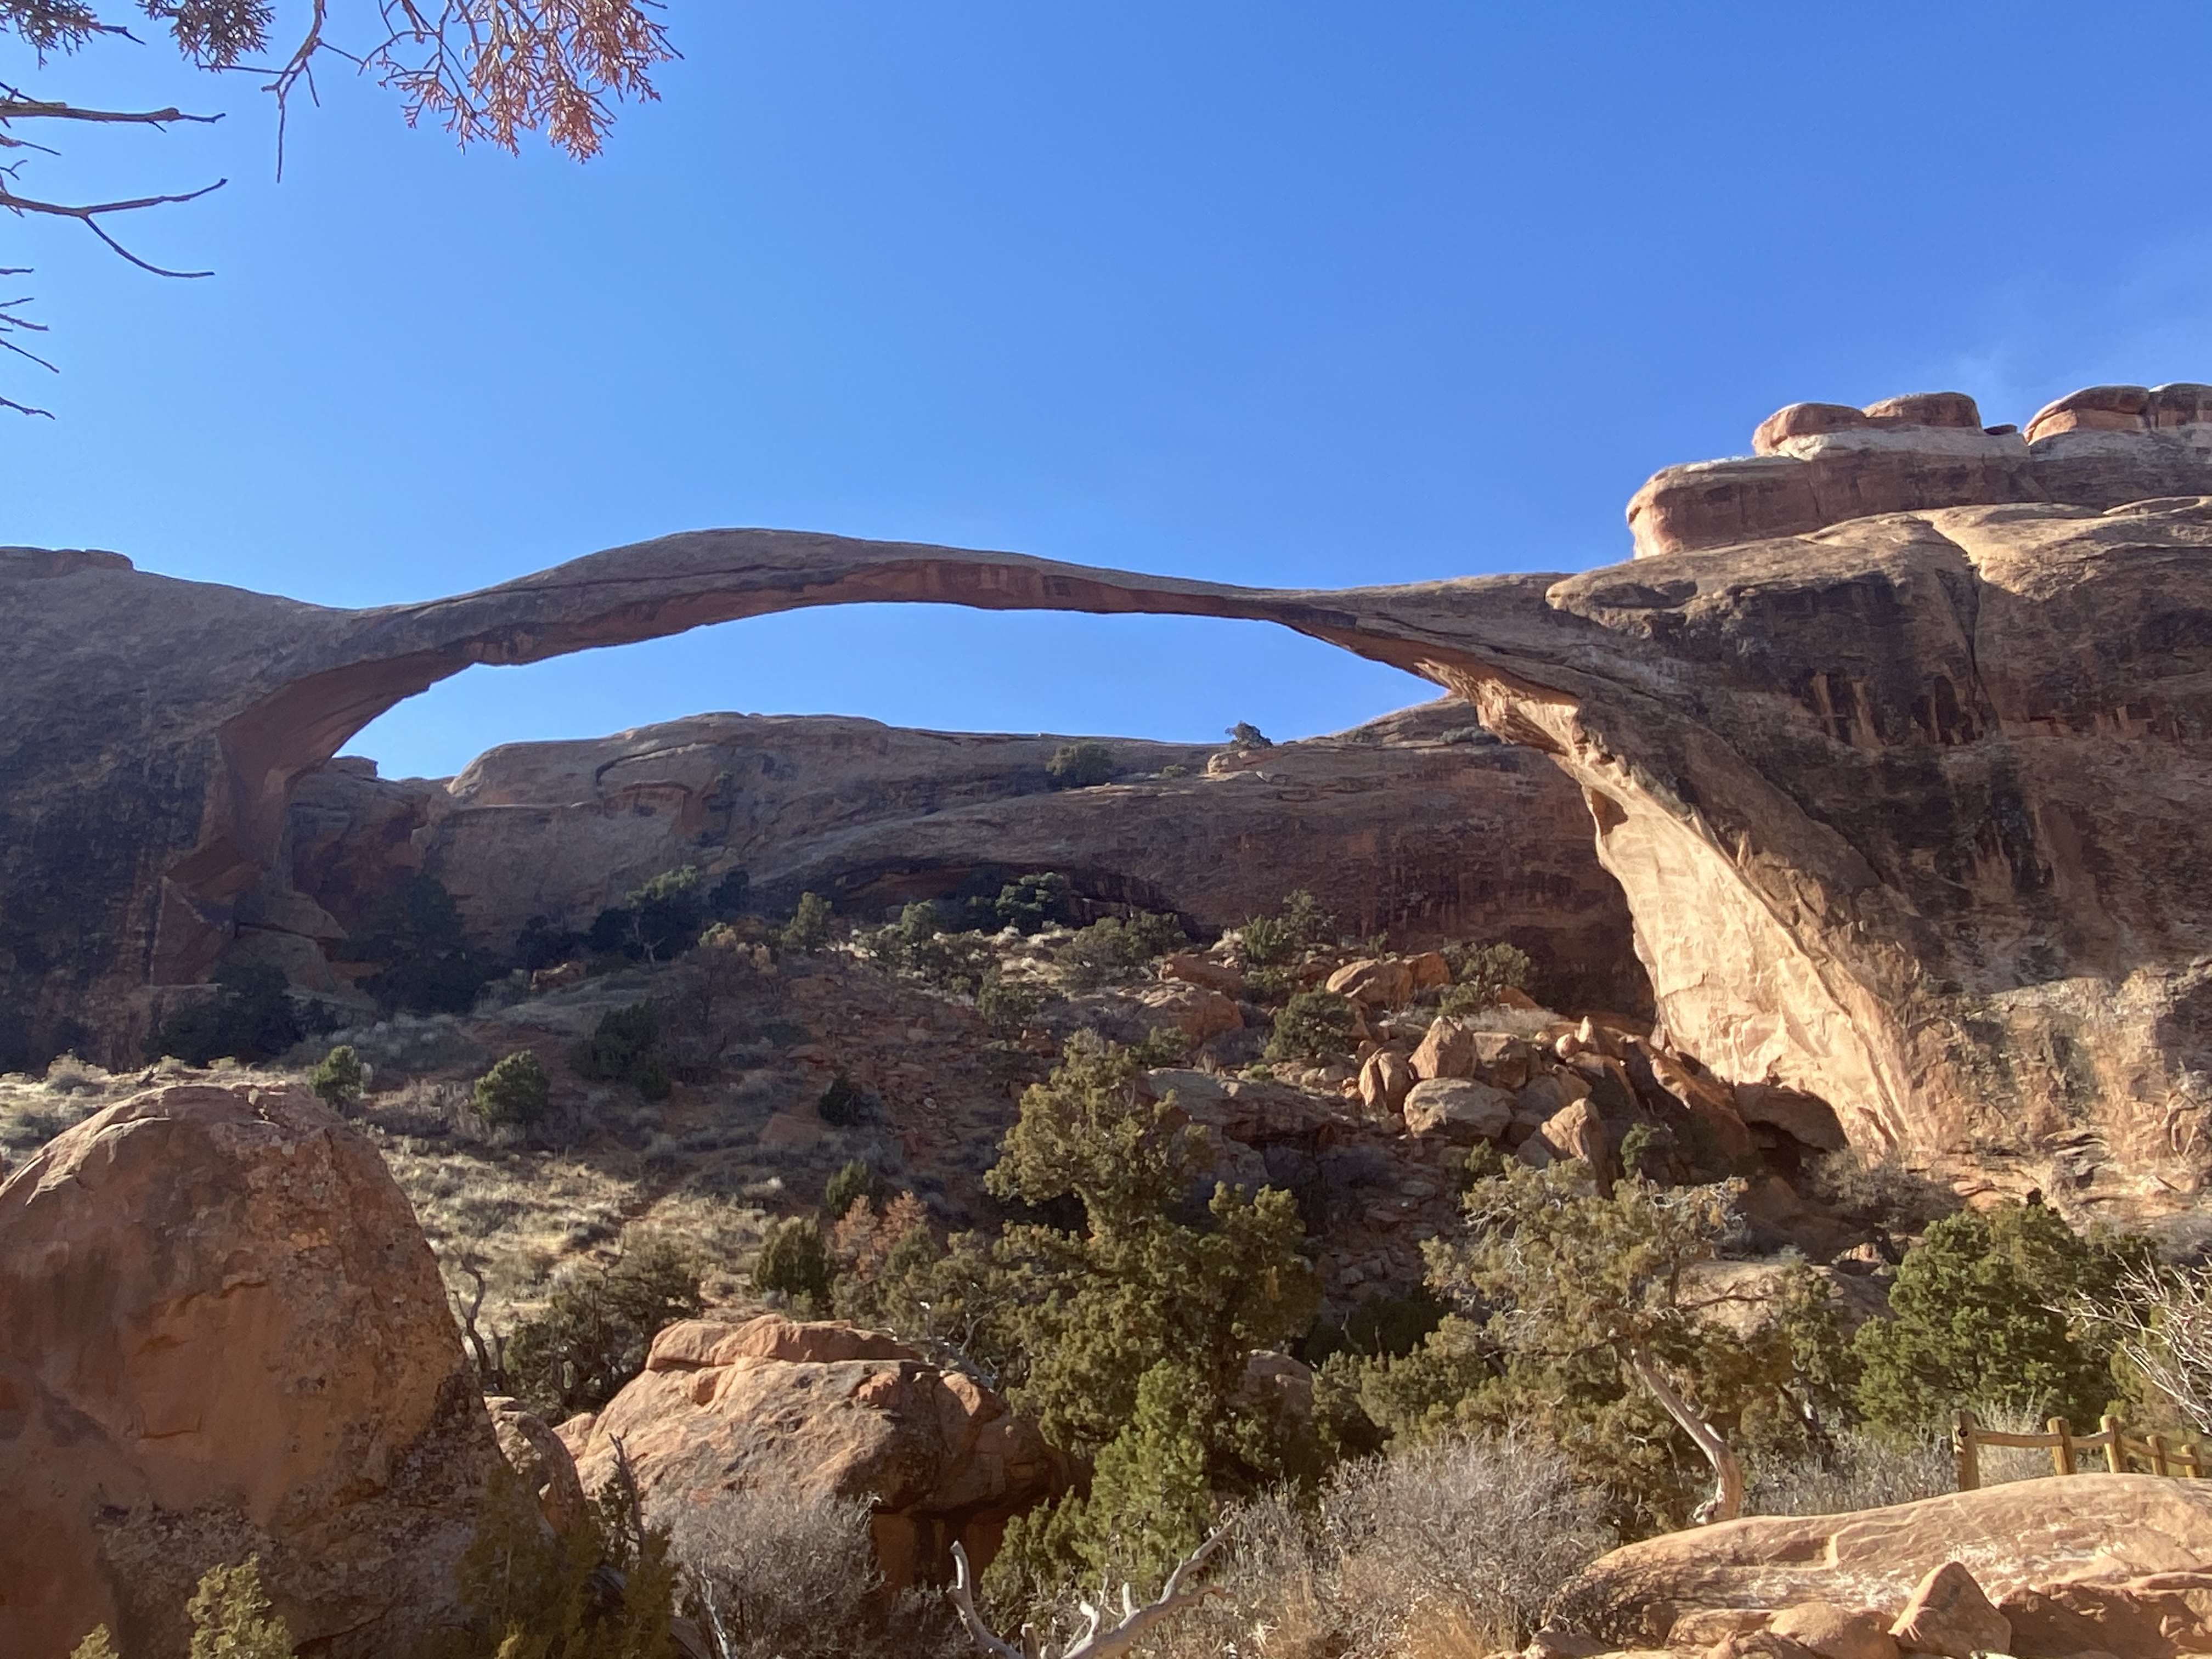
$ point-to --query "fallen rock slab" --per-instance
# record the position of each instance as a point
(1458, 1109)
(2120, 1563)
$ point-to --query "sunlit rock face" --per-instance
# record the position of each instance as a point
(222, 1334)
(1905, 789)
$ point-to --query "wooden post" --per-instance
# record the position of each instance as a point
(2114, 1461)
(1962, 1444)
(2061, 1454)
(2158, 1464)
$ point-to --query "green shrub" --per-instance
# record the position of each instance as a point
(597, 1328)
(231, 1617)
(794, 1262)
(515, 1092)
(918, 943)
(656, 921)
(1244, 737)
(1301, 924)
(604, 1589)
(428, 966)
(98, 1645)
(1074, 1311)
(625, 1046)
(1164, 1045)
(249, 1018)
(848, 1186)
(1316, 1025)
(809, 930)
(336, 1081)
(1151, 1500)
(1577, 1316)
(1004, 1006)
(1031, 903)
(1112, 948)
(1080, 765)
(1484, 973)
(1978, 1318)
(841, 1104)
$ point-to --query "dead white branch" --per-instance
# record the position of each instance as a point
(1094, 1642)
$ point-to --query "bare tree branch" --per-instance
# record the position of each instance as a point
(1094, 1644)
(13, 321)
(15, 106)
(488, 70)
(89, 216)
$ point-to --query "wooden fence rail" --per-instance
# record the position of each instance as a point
(2154, 1452)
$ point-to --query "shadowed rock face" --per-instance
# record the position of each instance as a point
(1908, 808)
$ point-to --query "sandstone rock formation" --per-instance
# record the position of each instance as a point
(1948, 1614)
(2074, 1563)
(1906, 788)
(1817, 464)
(1475, 840)
(221, 1334)
(1458, 1109)
(830, 1410)
(538, 1455)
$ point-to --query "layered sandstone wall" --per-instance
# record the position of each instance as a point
(1419, 823)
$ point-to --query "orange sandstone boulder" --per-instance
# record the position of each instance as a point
(825, 1409)
(1574, 1131)
(1948, 1614)
(1835, 1632)
(1448, 1049)
(1458, 1109)
(537, 1453)
(1384, 1078)
(221, 1334)
(1197, 1013)
(1374, 981)
(1203, 970)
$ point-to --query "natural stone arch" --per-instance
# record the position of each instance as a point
(1908, 806)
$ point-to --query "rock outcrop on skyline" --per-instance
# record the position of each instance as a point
(1907, 797)
(222, 1334)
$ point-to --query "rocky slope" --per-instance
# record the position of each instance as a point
(1906, 796)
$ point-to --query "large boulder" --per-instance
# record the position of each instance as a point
(1374, 981)
(825, 1410)
(2118, 1564)
(221, 1334)
(1458, 1109)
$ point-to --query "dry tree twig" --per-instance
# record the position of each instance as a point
(1094, 1642)
(488, 70)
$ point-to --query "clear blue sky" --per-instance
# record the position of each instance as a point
(1283, 293)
